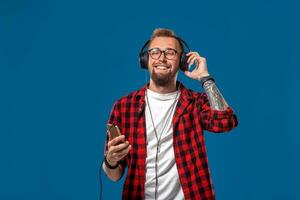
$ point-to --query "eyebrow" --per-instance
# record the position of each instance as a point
(168, 48)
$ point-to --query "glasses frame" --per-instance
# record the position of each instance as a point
(162, 52)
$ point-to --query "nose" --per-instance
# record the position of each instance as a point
(162, 56)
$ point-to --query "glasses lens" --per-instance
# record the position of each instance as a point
(170, 53)
(155, 53)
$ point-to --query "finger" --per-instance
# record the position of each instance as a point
(121, 147)
(196, 63)
(113, 157)
(124, 151)
(193, 61)
(121, 157)
(188, 73)
(116, 156)
(189, 53)
(190, 57)
(115, 151)
(118, 148)
(196, 55)
(192, 52)
(118, 139)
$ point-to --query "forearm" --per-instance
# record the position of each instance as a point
(215, 98)
(113, 174)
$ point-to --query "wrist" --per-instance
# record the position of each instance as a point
(204, 79)
(203, 75)
(110, 164)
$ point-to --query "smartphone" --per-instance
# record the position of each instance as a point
(113, 130)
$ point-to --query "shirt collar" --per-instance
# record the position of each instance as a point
(185, 94)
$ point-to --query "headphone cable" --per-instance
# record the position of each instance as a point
(158, 138)
(100, 178)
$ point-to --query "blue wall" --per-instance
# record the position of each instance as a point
(63, 64)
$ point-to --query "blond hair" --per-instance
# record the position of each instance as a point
(164, 32)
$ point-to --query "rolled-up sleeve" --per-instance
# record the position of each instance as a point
(114, 118)
(215, 120)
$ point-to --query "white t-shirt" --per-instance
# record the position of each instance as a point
(162, 108)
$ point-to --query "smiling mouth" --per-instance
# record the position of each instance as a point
(162, 67)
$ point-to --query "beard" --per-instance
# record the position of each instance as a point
(163, 79)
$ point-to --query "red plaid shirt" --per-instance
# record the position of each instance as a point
(193, 115)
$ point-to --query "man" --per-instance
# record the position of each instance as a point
(162, 142)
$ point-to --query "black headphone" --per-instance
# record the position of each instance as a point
(143, 56)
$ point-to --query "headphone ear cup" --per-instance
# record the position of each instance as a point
(144, 60)
(183, 62)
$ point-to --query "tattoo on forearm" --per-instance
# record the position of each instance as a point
(215, 98)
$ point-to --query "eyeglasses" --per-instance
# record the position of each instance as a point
(169, 53)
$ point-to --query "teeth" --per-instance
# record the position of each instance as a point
(161, 67)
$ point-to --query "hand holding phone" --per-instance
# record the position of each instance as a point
(118, 148)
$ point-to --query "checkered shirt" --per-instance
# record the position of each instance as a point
(192, 115)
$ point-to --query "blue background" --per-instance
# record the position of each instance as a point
(63, 64)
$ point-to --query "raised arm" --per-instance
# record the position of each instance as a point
(215, 98)
(200, 73)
